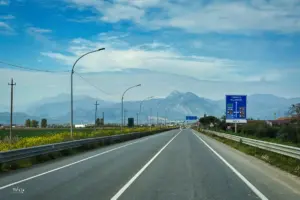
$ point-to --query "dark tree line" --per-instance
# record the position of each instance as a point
(99, 122)
(34, 123)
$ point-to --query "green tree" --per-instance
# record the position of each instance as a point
(222, 124)
(206, 121)
(27, 123)
(98, 122)
(295, 111)
(34, 123)
(44, 123)
(223, 118)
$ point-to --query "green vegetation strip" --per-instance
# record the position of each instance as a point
(10, 166)
(285, 163)
(267, 139)
(25, 141)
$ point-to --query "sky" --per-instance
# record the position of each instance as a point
(226, 46)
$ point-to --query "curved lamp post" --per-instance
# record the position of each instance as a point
(122, 109)
(72, 72)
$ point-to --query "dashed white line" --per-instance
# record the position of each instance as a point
(250, 185)
(124, 188)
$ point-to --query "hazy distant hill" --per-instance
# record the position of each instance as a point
(174, 107)
(18, 118)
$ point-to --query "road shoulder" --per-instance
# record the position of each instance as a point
(272, 181)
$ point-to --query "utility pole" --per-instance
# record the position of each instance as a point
(150, 119)
(103, 119)
(150, 116)
(96, 107)
(157, 118)
(12, 84)
(157, 106)
(165, 117)
(137, 119)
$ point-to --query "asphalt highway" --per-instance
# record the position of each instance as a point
(175, 165)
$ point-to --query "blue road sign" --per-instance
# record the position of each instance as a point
(236, 108)
(191, 118)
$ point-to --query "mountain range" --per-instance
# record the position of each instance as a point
(173, 107)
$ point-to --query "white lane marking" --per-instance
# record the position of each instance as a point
(124, 188)
(68, 165)
(250, 185)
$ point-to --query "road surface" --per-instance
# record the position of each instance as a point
(175, 165)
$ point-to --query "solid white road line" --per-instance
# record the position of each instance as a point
(68, 165)
(250, 185)
(124, 188)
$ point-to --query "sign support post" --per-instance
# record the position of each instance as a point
(235, 127)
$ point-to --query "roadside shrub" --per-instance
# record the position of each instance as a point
(249, 129)
(284, 131)
(19, 142)
(289, 133)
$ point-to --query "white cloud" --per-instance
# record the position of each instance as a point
(34, 30)
(84, 19)
(140, 3)
(68, 60)
(157, 84)
(7, 17)
(6, 29)
(5, 26)
(196, 17)
(114, 11)
(125, 12)
(236, 17)
(43, 37)
(197, 44)
(156, 56)
(4, 2)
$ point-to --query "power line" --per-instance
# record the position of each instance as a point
(49, 71)
(92, 84)
(31, 69)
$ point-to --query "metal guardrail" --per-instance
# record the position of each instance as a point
(24, 153)
(269, 146)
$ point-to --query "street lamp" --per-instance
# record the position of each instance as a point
(150, 119)
(148, 98)
(165, 116)
(122, 111)
(72, 72)
(158, 104)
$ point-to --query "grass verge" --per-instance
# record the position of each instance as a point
(25, 142)
(267, 139)
(11, 166)
(291, 165)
